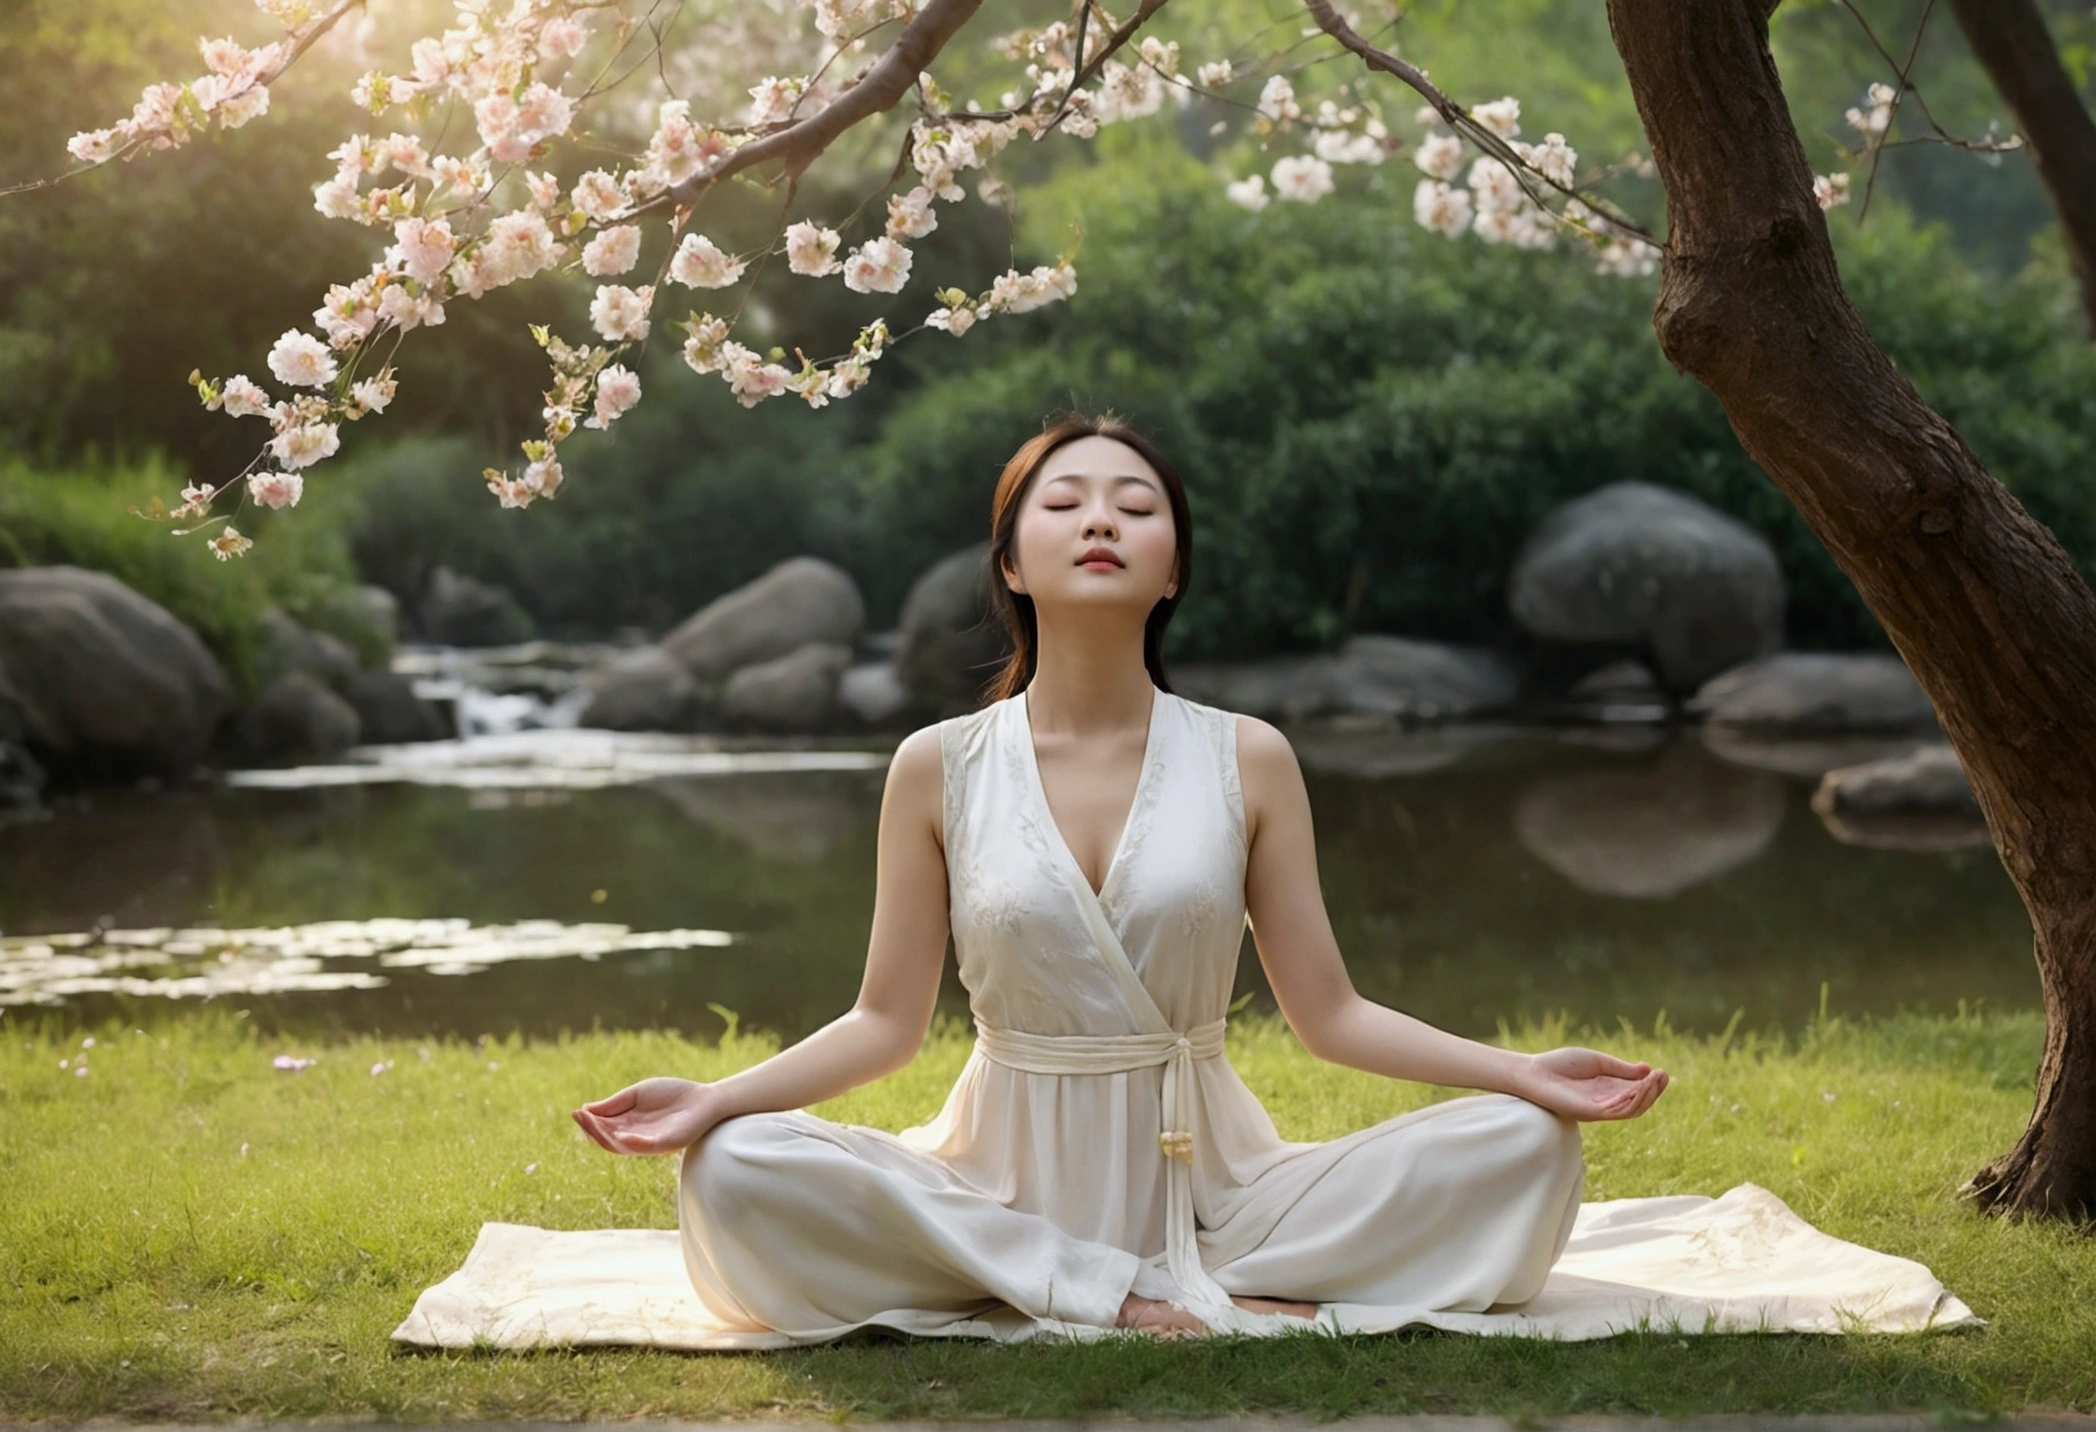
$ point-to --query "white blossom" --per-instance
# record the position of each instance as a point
(1214, 74)
(612, 251)
(910, 216)
(561, 38)
(618, 389)
(1441, 207)
(421, 249)
(370, 395)
(700, 263)
(275, 489)
(242, 397)
(1303, 178)
(1277, 100)
(772, 99)
(621, 313)
(956, 320)
(1877, 114)
(306, 444)
(1501, 116)
(877, 266)
(1554, 159)
(302, 360)
(811, 249)
(1249, 192)
(1829, 189)
(228, 544)
(597, 195)
(1440, 155)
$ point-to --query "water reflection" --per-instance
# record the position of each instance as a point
(1650, 829)
(1472, 876)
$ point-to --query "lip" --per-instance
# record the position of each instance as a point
(1101, 556)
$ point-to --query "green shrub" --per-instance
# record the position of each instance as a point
(82, 515)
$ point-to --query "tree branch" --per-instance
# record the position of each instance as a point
(891, 77)
(1458, 118)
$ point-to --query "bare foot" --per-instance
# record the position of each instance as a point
(1161, 1319)
(1276, 1305)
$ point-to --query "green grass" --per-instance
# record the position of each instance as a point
(186, 1232)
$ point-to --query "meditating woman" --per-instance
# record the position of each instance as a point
(1095, 845)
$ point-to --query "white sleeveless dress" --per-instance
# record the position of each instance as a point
(1098, 1139)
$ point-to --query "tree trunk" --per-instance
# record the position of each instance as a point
(1979, 598)
(2010, 40)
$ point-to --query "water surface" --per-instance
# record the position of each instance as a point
(1472, 876)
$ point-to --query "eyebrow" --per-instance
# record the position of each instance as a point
(1119, 478)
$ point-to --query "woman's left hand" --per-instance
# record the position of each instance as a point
(1586, 1084)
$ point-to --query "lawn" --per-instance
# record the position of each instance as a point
(188, 1231)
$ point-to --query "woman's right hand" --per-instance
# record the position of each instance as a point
(655, 1116)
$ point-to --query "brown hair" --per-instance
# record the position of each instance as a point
(1017, 608)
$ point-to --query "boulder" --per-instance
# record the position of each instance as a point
(464, 611)
(1815, 691)
(100, 677)
(1386, 678)
(796, 692)
(1621, 691)
(873, 693)
(950, 641)
(1650, 830)
(1634, 563)
(643, 690)
(389, 713)
(802, 600)
(1919, 801)
(289, 647)
(294, 721)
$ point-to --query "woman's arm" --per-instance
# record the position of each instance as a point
(883, 1029)
(1318, 998)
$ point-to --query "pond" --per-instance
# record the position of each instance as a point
(558, 880)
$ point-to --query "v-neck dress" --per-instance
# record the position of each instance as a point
(1098, 1141)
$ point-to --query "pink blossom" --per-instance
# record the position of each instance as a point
(276, 489)
(612, 251)
(305, 444)
(877, 266)
(618, 389)
(700, 263)
(812, 250)
(290, 1063)
(621, 313)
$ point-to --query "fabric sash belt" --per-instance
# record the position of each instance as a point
(1118, 1053)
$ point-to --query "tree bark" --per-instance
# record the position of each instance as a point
(1979, 598)
(2010, 40)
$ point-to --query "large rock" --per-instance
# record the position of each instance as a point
(289, 647)
(1920, 801)
(1649, 831)
(1816, 691)
(797, 692)
(873, 694)
(464, 611)
(101, 677)
(295, 721)
(1386, 678)
(643, 690)
(1633, 563)
(389, 713)
(950, 641)
(801, 600)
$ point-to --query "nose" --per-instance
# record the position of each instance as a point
(1099, 522)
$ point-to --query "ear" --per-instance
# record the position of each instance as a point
(1010, 574)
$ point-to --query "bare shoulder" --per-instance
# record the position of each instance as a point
(1263, 753)
(917, 768)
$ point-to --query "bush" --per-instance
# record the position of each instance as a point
(82, 516)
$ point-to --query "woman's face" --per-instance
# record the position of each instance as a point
(1095, 528)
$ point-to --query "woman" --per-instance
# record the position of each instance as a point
(1096, 844)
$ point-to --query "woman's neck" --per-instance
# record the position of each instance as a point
(1090, 681)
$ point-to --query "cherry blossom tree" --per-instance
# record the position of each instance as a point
(650, 116)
